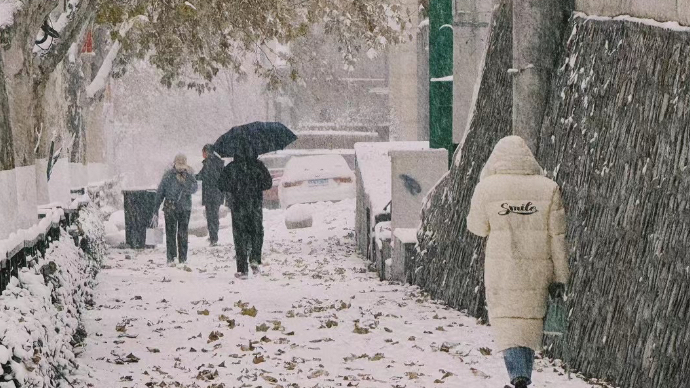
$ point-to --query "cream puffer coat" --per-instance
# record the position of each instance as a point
(522, 214)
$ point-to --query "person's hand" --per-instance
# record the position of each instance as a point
(154, 221)
(556, 290)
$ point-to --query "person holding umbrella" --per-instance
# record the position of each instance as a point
(175, 193)
(522, 214)
(245, 179)
(211, 196)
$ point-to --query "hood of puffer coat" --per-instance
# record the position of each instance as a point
(511, 155)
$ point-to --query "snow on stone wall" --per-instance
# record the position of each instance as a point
(40, 318)
(617, 139)
(662, 10)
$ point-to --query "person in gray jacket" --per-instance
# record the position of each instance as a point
(175, 193)
(211, 196)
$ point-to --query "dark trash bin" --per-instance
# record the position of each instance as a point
(138, 213)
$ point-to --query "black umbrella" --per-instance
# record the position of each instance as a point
(259, 137)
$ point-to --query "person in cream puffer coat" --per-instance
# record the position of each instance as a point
(522, 214)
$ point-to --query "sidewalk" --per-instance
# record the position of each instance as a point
(314, 318)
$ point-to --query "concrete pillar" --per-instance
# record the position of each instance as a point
(402, 82)
(422, 77)
(536, 33)
(471, 28)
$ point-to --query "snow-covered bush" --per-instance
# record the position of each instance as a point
(107, 196)
(41, 309)
(91, 228)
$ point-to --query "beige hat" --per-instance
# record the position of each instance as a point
(180, 162)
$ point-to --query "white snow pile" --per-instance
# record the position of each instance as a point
(92, 232)
(299, 216)
(40, 322)
(107, 196)
(115, 229)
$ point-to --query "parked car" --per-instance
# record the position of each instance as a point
(318, 178)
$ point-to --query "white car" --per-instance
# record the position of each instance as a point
(318, 178)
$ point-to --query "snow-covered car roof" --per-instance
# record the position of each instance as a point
(316, 167)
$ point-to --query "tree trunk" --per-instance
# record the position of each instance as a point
(6, 143)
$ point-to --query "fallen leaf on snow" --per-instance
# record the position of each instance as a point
(479, 373)
(214, 336)
(318, 373)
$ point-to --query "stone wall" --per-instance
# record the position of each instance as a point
(617, 139)
(449, 262)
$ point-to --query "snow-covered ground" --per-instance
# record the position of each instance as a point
(314, 317)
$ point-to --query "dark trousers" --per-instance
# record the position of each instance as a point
(248, 232)
(176, 234)
(212, 221)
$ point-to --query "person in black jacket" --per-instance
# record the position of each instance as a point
(175, 193)
(211, 196)
(245, 179)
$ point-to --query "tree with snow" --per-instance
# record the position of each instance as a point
(49, 92)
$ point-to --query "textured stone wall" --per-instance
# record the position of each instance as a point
(617, 139)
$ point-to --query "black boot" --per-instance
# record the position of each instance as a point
(521, 382)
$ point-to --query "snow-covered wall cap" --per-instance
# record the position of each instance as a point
(27, 237)
(7, 10)
(675, 26)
